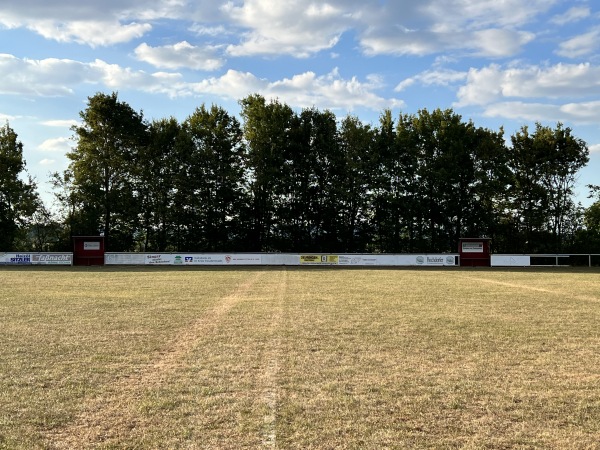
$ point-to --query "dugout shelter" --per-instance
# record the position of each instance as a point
(475, 252)
(88, 250)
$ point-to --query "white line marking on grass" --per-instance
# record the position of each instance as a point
(535, 289)
(272, 358)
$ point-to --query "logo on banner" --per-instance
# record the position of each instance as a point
(227, 259)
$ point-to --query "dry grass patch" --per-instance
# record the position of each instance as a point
(299, 358)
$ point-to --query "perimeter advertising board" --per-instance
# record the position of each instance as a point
(15, 258)
(510, 260)
(378, 260)
(319, 259)
(65, 259)
(277, 259)
(200, 259)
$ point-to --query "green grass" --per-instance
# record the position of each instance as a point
(299, 358)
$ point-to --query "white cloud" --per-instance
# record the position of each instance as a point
(295, 27)
(291, 27)
(485, 13)
(329, 91)
(5, 117)
(60, 123)
(47, 77)
(487, 28)
(179, 55)
(213, 31)
(531, 112)
(47, 162)
(433, 78)
(561, 80)
(56, 145)
(563, 92)
(59, 77)
(594, 148)
(99, 23)
(93, 33)
(574, 14)
(499, 42)
(581, 45)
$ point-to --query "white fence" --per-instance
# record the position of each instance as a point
(278, 259)
(296, 259)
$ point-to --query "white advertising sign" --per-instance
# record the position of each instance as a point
(277, 259)
(203, 259)
(124, 258)
(367, 260)
(16, 258)
(158, 259)
(219, 259)
(510, 260)
(63, 259)
(91, 245)
(397, 260)
(37, 258)
(472, 247)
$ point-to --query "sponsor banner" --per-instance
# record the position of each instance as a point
(367, 260)
(472, 247)
(91, 245)
(37, 258)
(16, 258)
(124, 258)
(63, 259)
(280, 259)
(510, 260)
(202, 259)
(224, 259)
(397, 260)
(319, 259)
(434, 260)
(219, 259)
(159, 259)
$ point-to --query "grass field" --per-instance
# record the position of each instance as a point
(299, 358)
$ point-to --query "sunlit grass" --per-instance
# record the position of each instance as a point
(299, 358)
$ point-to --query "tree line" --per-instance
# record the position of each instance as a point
(282, 180)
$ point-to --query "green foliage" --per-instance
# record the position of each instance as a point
(103, 166)
(544, 166)
(18, 198)
(302, 181)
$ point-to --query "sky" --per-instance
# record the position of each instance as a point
(499, 63)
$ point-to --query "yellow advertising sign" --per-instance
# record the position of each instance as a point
(319, 259)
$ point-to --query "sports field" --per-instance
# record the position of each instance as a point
(299, 358)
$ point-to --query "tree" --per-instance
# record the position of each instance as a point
(353, 186)
(544, 166)
(103, 166)
(155, 185)
(268, 133)
(211, 194)
(18, 198)
(588, 238)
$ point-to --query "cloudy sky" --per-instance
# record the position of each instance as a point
(498, 62)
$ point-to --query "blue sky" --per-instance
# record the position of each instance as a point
(497, 62)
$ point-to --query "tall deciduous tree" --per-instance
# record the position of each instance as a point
(211, 195)
(268, 132)
(544, 167)
(155, 185)
(354, 186)
(103, 164)
(18, 198)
